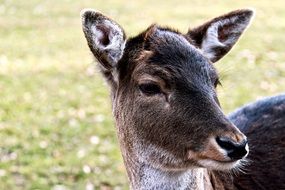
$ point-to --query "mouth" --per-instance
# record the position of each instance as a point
(218, 161)
(219, 165)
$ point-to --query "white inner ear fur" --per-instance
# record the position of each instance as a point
(116, 45)
(211, 39)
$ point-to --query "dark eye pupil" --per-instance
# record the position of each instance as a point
(150, 89)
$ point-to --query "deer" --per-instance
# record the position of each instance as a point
(170, 126)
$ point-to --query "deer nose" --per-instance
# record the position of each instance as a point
(234, 150)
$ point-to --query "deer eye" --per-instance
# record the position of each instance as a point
(150, 88)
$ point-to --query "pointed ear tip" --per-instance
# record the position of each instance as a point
(87, 11)
(250, 12)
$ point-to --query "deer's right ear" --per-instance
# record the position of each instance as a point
(106, 39)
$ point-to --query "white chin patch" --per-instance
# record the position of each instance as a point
(217, 165)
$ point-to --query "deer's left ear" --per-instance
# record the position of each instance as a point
(216, 37)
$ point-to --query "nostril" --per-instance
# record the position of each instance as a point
(234, 150)
(226, 143)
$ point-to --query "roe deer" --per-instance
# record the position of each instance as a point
(171, 129)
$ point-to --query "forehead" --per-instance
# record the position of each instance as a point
(170, 49)
(173, 48)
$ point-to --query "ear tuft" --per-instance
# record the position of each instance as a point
(216, 37)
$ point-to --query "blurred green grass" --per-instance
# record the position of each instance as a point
(56, 126)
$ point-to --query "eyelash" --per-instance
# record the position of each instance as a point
(217, 82)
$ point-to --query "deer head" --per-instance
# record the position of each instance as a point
(163, 86)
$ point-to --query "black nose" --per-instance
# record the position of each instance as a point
(234, 150)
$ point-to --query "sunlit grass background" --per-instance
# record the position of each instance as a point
(56, 126)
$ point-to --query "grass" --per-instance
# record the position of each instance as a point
(56, 126)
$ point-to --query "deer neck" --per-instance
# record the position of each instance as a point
(157, 179)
